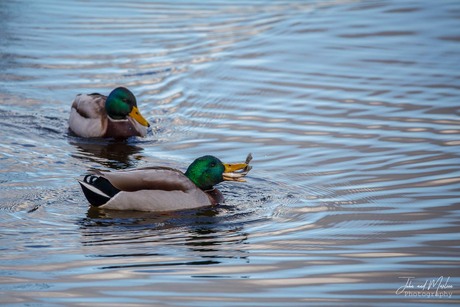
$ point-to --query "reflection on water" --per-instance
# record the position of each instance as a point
(109, 153)
(350, 109)
(197, 232)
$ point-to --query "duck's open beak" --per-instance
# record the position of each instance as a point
(138, 117)
(236, 171)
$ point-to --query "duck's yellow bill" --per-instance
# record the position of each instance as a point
(138, 117)
(231, 171)
(233, 167)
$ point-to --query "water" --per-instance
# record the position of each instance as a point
(350, 109)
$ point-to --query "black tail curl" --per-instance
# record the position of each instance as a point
(101, 190)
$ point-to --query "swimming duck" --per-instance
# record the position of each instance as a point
(162, 188)
(115, 116)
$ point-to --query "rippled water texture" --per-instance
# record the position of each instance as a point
(350, 109)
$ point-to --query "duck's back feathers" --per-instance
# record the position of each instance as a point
(88, 117)
(149, 178)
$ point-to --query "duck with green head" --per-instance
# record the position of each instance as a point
(115, 116)
(162, 188)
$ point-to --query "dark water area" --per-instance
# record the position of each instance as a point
(350, 109)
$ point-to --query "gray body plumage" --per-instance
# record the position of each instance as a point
(151, 189)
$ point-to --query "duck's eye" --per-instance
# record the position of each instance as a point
(213, 164)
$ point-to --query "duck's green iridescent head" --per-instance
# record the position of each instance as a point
(208, 171)
(121, 103)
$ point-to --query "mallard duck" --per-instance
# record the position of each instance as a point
(162, 188)
(115, 116)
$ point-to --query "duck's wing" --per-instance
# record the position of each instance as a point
(88, 117)
(152, 178)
